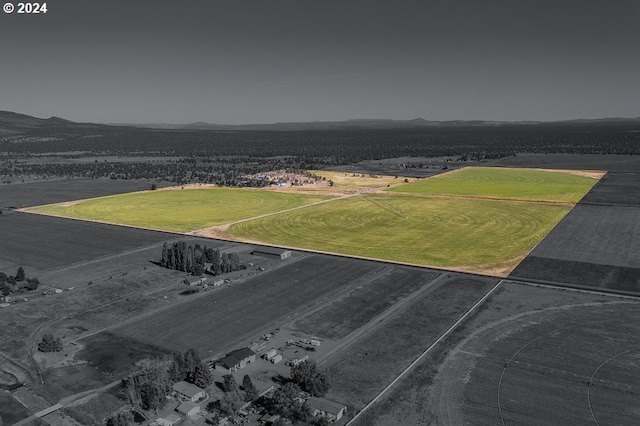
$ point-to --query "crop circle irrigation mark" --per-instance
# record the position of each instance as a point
(596, 372)
(512, 358)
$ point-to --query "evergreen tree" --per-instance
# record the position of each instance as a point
(202, 376)
(164, 262)
(191, 361)
(249, 388)
(20, 274)
(216, 261)
(188, 261)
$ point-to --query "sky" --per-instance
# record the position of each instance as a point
(266, 61)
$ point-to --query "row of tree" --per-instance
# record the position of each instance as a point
(192, 259)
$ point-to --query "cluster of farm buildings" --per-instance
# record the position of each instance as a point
(192, 397)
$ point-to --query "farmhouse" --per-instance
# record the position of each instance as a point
(188, 409)
(194, 280)
(189, 391)
(235, 360)
(271, 252)
(324, 407)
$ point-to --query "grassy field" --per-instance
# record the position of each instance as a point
(515, 184)
(484, 235)
(180, 210)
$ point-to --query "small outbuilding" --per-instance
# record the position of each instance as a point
(194, 280)
(189, 391)
(270, 354)
(271, 252)
(323, 407)
(276, 359)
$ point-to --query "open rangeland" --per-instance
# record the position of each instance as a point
(475, 235)
(180, 210)
(364, 368)
(232, 315)
(346, 181)
(526, 357)
(507, 184)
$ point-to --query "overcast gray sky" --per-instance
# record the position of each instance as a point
(264, 61)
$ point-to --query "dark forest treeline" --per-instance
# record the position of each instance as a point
(349, 146)
(224, 157)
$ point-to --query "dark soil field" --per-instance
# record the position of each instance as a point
(573, 365)
(594, 245)
(364, 368)
(39, 243)
(612, 163)
(616, 189)
(457, 383)
(365, 302)
(18, 195)
(232, 315)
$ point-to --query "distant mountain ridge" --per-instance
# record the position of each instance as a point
(15, 123)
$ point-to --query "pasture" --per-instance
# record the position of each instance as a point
(180, 210)
(506, 184)
(474, 235)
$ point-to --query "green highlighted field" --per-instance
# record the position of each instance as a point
(180, 210)
(499, 183)
(477, 219)
(434, 231)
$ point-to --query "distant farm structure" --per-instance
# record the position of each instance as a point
(271, 252)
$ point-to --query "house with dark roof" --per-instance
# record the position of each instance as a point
(235, 360)
(323, 407)
(188, 391)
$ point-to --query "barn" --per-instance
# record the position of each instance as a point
(235, 360)
(272, 252)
